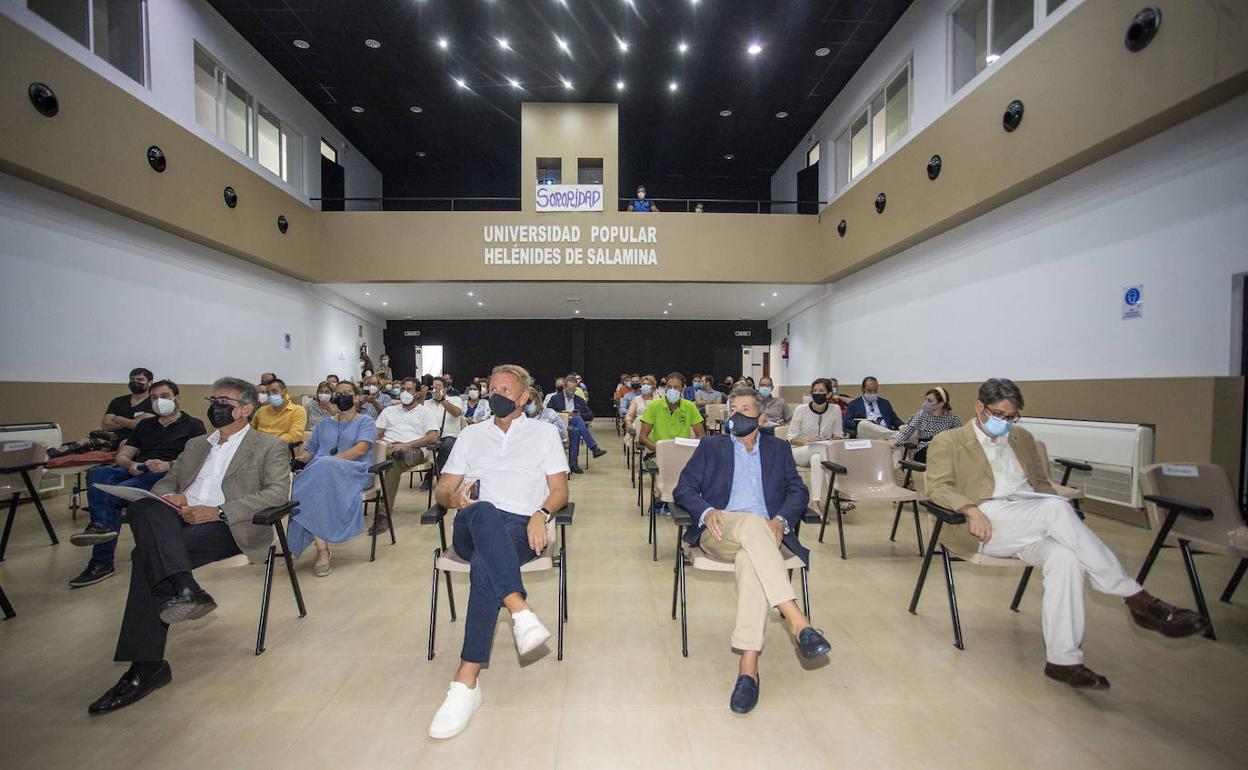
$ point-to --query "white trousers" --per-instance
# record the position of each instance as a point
(1047, 533)
(813, 456)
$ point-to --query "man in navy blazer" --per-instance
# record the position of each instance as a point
(566, 400)
(878, 412)
(746, 499)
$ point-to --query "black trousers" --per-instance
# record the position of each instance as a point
(444, 451)
(163, 545)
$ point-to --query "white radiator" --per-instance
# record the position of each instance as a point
(1115, 450)
(46, 433)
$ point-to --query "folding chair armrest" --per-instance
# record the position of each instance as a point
(384, 465)
(270, 516)
(828, 465)
(433, 515)
(911, 465)
(1178, 506)
(681, 517)
(563, 516)
(946, 515)
(650, 466)
(810, 517)
(1072, 464)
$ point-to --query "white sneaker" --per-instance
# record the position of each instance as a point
(456, 711)
(529, 631)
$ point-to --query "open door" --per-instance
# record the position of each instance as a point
(333, 186)
(808, 189)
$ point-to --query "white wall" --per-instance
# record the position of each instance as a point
(174, 26)
(85, 295)
(922, 33)
(1032, 290)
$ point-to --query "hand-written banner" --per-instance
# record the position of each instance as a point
(561, 245)
(569, 197)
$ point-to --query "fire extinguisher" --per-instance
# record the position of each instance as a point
(784, 348)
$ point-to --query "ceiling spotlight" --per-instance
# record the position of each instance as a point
(371, 43)
(479, 304)
(669, 304)
(729, 156)
(664, 312)
(566, 83)
(385, 304)
(368, 294)
(503, 44)
(992, 57)
(420, 153)
(683, 47)
(754, 50)
(623, 45)
(672, 86)
(577, 312)
(824, 51)
(357, 109)
(301, 44)
(725, 113)
(782, 115)
(460, 82)
(762, 304)
(443, 43)
(472, 294)
(563, 44)
(619, 85)
(775, 294)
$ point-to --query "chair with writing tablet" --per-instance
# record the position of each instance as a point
(1073, 494)
(862, 471)
(671, 456)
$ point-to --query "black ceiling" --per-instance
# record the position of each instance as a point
(675, 142)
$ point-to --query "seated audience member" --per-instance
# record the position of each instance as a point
(476, 407)
(412, 437)
(125, 412)
(333, 473)
(544, 414)
(935, 415)
(579, 417)
(744, 492)
(647, 394)
(839, 398)
(748, 381)
(384, 369)
(690, 392)
(634, 390)
(446, 413)
(817, 421)
(707, 394)
(673, 417)
(370, 387)
(726, 386)
(267, 377)
(777, 411)
(280, 416)
(516, 476)
(217, 485)
(640, 203)
(451, 390)
(332, 379)
(986, 470)
(143, 460)
(582, 389)
(558, 389)
(321, 407)
(621, 390)
(871, 417)
(697, 208)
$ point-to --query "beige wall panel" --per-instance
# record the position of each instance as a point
(570, 132)
(96, 149)
(1232, 56)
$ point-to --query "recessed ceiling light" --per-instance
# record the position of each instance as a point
(480, 304)
(683, 47)
(672, 86)
(824, 51)
(460, 82)
(619, 85)
(513, 82)
(371, 43)
(782, 115)
(725, 113)
(775, 294)
(729, 156)
(300, 43)
(664, 312)
(443, 43)
(762, 304)
(566, 83)
(754, 50)
(416, 109)
(368, 294)
(563, 44)
(992, 57)
(384, 304)
(669, 304)
(576, 312)
(472, 294)
(623, 45)
(503, 44)
(357, 109)
(420, 153)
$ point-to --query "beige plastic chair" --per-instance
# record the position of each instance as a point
(664, 470)
(1195, 504)
(375, 495)
(1073, 494)
(21, 470)
(862, 470)
(446, 561)
(715, 416)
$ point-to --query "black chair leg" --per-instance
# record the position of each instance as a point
(892, 536)
(290, 569)
(8, 524)
(927, 561)
(840, 523)
(7, 606)
(827, 508)
(953, 599)
(1234, 583)
(43, 515)
(389, 517)
(1078, 511)
(450, 593)
(1185, 546)
(433, 603)
(918, 526)
(676, 572)
(372, 551)
(684, 621)
(1022, 586)
(1158, 542)
(805, 593)
(264, 600)
(562, 608)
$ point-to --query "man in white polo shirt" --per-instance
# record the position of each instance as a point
(447, 413)
(506, 477)
(411, 433)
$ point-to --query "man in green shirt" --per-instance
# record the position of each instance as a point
(671, 417)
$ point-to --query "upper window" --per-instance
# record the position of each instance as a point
(812, 155)
(982, 30)
(881, 124)
(328, 151)
(227, 109)
(115, 30)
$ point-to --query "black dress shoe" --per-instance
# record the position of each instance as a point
(187, 604)
(1168, 620)
(597, 452)
(94, 573)
(576, 469)
(812, 643)
(94, 534)
(744, 695)
(130, 688)
(1078, 676)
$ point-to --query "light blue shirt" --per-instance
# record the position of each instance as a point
(747, 481)
(628, 398)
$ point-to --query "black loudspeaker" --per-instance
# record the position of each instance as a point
(881, 201)
(840, 228)
(44, 100)
(1142, 29)
(1013, 116)
(933, 167)
(156, 159)
(282, 224)
(231, 197)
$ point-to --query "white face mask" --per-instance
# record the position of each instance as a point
(641, 196)
(370, 389)
(473, 394)
(164, 406)
(324, 397)
(406, 397)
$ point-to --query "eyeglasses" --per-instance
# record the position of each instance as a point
(222, 400)
(1010, 418)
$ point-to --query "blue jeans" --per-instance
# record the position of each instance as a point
(578, 431)
(495, 543)
(106, 509)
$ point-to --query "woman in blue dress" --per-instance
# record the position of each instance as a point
(334, 476)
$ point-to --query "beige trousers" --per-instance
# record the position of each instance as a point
(404, 460)
(762, 580)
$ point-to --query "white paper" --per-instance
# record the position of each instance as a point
(1187, 471)
(862, 444)
(132, 494)
(17, 446)
(819, 442)
(687, 441)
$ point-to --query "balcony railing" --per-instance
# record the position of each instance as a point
(686, 205)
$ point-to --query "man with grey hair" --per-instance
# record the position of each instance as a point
(743, 491)
(990, 471)
(210, 495)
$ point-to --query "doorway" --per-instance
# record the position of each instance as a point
(428, 360)
(808, 189)
(333, 186)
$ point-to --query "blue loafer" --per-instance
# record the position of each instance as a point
(744, 695)
(812, 643)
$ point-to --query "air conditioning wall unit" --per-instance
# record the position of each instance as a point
(46, 433)
(1115, 450)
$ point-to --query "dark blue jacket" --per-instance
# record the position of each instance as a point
(857, 410)
(559, 403)
(706, 482)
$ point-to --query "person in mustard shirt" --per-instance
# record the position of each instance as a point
(278, 416)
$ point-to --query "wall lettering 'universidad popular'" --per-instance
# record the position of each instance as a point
(617, 245)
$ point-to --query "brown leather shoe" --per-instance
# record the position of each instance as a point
(1078, 676)
(1168, 620)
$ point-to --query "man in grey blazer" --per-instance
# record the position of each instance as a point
(213, 490)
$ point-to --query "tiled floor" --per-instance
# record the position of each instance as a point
(349, 685)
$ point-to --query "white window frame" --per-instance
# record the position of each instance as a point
(1039, 13)
(146, 58)
(846, 140)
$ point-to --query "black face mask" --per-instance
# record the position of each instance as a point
(742, 425)
(220, 414)
(501, 406)
(819, 398)
(634, 385)
(137, 387)
(344, 401)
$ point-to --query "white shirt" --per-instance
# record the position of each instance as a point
(511, 466)
(402, 425)
(206, 488)
(1007, 474)
(435, 410)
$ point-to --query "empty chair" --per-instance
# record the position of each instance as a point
(1195, 504)
(1073, 494)
(715, 416)
(862, 470)
(670, 458)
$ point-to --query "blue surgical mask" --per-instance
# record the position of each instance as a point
(646, 389)
(765, 391)
(530, 409)
(275, 399)
(996, 427)
(673, 395)
(870, 398)
(697, 386)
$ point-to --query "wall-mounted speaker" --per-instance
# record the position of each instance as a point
(933, 167)
(881, 201)
(1142, 29)
(156, 159)
(841, 227)
(282, 224)
(43, 99)
(231, 197)
(1013, 116)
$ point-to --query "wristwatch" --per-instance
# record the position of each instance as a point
(221, 513)
(547, 514)
(783, 521)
